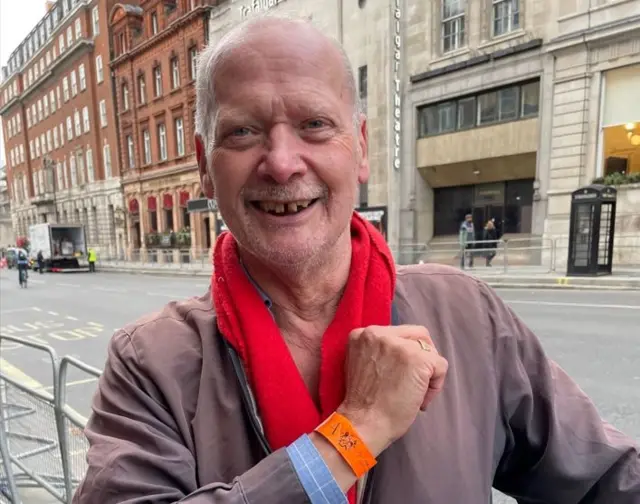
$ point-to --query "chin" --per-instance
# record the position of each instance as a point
(286, 250)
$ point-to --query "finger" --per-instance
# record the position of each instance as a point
(415, 332)
(437, 380)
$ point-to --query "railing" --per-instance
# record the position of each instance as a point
(534, 254)
(40, 434)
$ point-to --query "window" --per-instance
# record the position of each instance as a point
(83, 77)
(61, 134)
(91, 176)
(125, 97)
(39, 110)
(130, 152)
(95, 21)
(65, 89)
(99, 72)
(33, 114)
(52, 99)
(78, 122)
(85, 119)
(69, 36)
(64, 173)
(30, 73)
(193, 62)
(78, 29)
(55, 138)
(179, 136)
(175, 73)
(509, 103)
(162, 139)
(74, 173)
(69, 129)
(74, 83)
(48, 58)
(58, 96)
(37, 146)
(530, 99)
(61, 43)
(49, 141)
(45, 103)
(19, 123)
(103, 113)
(506, 16)
(28, 117)
(146, 138)
(157, 73)
(122, 44)
(453, 24)
(80, 163)
(142, 89)
(106, 153)
(154, 23)
(43, 143)
(22, 153)
(32, 151)
(59, 175)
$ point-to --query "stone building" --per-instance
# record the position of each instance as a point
(59, 124)
(154, 64)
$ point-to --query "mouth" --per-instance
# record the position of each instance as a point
(282, 208)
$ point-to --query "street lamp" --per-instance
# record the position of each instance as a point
(48, 165)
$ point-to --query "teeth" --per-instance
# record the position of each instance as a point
(281, 208)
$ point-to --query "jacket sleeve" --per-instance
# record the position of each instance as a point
(557, 448)
(137, 454)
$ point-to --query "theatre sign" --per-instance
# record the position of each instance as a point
(257, 6)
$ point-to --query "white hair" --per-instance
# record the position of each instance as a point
(210, 57)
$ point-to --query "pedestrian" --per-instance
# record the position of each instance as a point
(490, 239)
(314, 369)
(466, 237)
(92, 260)
(40, 261)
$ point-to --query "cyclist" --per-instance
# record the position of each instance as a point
(23, 266)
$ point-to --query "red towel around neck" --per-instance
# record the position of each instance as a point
(285, 405)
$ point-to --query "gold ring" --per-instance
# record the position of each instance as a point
(424, 346)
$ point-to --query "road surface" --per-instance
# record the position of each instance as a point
(593, 335)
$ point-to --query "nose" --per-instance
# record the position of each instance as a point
(283, 159)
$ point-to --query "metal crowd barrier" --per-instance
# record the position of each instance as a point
(41, 437)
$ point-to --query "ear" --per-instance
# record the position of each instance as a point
(205, 178)
(363, 145)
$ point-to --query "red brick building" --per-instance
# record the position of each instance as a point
(155, 45)
(56, 103)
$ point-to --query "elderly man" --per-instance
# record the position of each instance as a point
(309, 372)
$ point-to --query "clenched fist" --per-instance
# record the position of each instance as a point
(392, 373)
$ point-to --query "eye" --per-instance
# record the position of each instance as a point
(240, 132)
(315, 124)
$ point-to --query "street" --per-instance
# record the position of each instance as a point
(593, 335)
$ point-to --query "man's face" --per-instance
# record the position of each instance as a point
(288, 156)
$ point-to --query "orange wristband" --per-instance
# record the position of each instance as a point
(338, 430)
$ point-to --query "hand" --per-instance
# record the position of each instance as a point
(390, 377)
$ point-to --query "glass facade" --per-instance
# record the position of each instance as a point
(509, 203)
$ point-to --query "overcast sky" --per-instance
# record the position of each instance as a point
(17, 19)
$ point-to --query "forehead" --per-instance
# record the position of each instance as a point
(269, 65)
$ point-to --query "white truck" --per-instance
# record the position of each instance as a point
(63, 246)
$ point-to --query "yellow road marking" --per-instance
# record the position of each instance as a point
(13, 372)
(76, 382)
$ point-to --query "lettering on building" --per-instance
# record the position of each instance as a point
(396, 105)
(256, 6)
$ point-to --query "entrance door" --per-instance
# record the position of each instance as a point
(483, 214)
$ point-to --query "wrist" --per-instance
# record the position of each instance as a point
(368, 428)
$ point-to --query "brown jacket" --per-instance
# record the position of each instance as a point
(168, 422)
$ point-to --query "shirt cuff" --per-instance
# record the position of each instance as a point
(316, 478)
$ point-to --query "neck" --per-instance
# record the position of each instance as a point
(309, 292)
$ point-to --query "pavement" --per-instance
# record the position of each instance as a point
(592, 334)
(517, 277)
